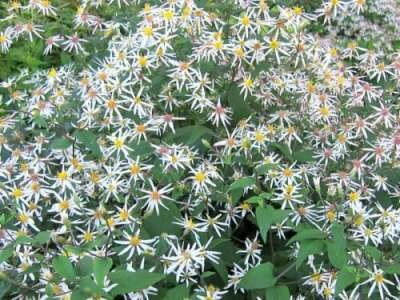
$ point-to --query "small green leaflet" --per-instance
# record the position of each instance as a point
(178, 292)
(279, 292)
(345, 278)
(242, 183)
(266, 216)
(63, 266)
(60, 143)
(307, 234)
(133, 281)
(6, 253)
(308, 247)
(101, 267)
(89, 139)
(259, 277)
(337, 247)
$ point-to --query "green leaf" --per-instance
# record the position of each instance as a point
(303, 156)
(101, 267)
(84, 267)
(63, 266)
(178, 292)
(240, 107)
(191, 135)
(279, 292)
(158, 224)
(6, 253)
(60, 143)
(284, 149)
(23, 239)
(307, 234)
(259, 277)
(242, 183)
(141, 149)
(87, 288)
(42, 237)
(337, 248)
(392, 269)
(308, 247)
(345, 278)
(266, 216)
(133, 281)
(375, 253)
(89, 139)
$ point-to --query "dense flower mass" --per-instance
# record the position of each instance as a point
(183, 149)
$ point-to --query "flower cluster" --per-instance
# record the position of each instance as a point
(214, 150)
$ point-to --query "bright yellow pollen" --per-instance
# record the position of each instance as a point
(331, 215)
(245, 21)
(143, 61)
(52, 73)
(354, 197)
(316, 277)
(168, 15)
(218, 44)
(186, 11)
(274, 44)
(298, 10)
(135, 240)
(3, 38)
(324, 110)
(327, 292)
(200, 176)
(148, 31)
(88, 236)
(63, 205)
(17, 193)
(23, 218)
(248, 83)
(62, 176)
(124, 215)
(239, 52)
(259, 136)
(358, 220)
(118, 143)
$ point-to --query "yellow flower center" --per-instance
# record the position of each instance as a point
(135, 169)
(17, 193)
(62, 176)
(218, 44)
(354, 196)
(379, 278)
(124, 215)
(118, 143)
(135, 240)
(141, 128)
(142, 61)
(274, 44)
(168, 15)
(63, 205)
(245, 21)
(148, 31)
(200, 176)
(23, 218)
